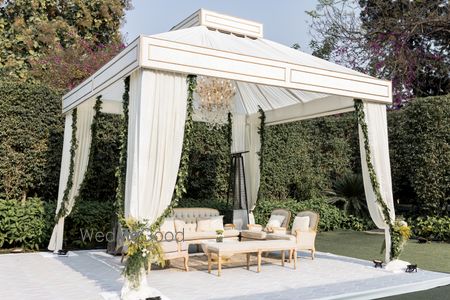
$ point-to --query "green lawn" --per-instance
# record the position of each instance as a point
(431, 256)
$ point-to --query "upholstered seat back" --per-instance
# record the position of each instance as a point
(313, 218)
(191, 214)
(283, 212)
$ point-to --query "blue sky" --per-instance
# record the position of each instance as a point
(285, 21)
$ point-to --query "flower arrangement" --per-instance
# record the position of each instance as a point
(400, 234)
(142, 250)
(219, 237)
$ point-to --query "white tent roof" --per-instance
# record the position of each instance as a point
(285, 82)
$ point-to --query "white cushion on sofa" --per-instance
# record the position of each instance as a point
(180, 225)
(168, 225)
(300, 224)
(203, 225)
(217, 223)
(210, 224)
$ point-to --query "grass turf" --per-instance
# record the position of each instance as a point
(430, 256)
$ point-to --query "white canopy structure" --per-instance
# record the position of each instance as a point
(287, 84)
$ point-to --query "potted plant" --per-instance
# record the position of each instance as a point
(219, 236)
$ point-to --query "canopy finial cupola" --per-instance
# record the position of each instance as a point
(222, 23)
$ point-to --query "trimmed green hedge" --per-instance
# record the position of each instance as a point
(30, 140)
(22, 224)
(331, 217)
(420, 154)
(431, 228)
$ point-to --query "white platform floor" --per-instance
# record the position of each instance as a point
(96, 275)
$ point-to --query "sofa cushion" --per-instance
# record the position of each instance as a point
(168, 226)
(254, 235)
(205, 235)
(210, 224)
(217, 223)
(181, 225)
(280, 236)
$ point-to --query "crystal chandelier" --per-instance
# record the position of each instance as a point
(215, 100)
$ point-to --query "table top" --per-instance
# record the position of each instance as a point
(249, 246)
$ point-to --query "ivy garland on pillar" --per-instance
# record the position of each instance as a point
(94, 142)
(398, 230)
(73, 147)
(262, 137)
(180, 187)
(230, 129)
(123, 138)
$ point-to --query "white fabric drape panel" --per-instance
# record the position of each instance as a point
(251, 159)
(238, 133)
(85, 115)
(157, 115)
(375, 115)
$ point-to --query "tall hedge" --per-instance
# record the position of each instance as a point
(420, 154)
(30, 140)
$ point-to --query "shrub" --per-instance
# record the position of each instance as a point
(31, 129)
(88, 217)
(330, 216)
(431, 228)
(22, 223)
(420, 154)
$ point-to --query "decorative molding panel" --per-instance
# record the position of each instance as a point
(222, 22)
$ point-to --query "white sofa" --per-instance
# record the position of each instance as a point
(191, 216)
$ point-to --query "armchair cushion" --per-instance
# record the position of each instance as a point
(254, 227)
(275, 221)
(281, 236)
(300, 224)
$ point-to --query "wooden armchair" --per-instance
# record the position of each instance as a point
(258, 232)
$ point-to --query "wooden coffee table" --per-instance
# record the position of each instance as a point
(248, 247)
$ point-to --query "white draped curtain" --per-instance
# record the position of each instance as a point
(375, 117)
(85, 115)
(157, 115)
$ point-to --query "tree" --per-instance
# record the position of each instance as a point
(405, 41)
(30, 28)
(64, 68)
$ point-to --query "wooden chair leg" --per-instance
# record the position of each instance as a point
(259, 262)
(209, 262)
(282, 257)
(186, 261)
(313, 253)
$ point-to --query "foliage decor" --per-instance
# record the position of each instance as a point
(180, 186)
(22, 224)
(262, 139)
(73, 146)
(401, 233)
(121, 170)
(142, 250)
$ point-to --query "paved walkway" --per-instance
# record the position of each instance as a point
(96, 275)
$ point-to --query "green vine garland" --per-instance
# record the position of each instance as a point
(230, 129)
(121, 170)
(180, 187)
(262, 138)
(94, 141)
(359, 109)
(73, 147)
